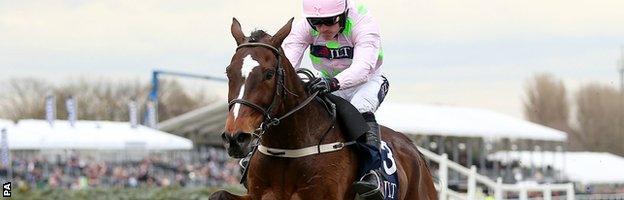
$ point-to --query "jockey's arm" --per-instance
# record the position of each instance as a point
(366, 51)
(297, 42)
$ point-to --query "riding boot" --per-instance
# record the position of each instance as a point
(368, 187)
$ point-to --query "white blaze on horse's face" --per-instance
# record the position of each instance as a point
(237, 106)
(248, 64)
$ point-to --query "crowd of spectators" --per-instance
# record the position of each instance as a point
(77, 172)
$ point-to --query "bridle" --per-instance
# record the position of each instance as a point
(269, 119)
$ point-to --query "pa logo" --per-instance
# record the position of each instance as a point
(6, 189)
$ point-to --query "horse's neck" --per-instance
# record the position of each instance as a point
(303, 128)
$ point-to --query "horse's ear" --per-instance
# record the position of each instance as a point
(237, 33)
(279, 37)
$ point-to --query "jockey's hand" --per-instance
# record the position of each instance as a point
(324, 85)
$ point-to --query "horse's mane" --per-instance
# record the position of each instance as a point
(258, 35)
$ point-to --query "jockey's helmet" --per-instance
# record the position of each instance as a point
(327, 12)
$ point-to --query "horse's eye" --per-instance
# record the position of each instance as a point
(268, 75)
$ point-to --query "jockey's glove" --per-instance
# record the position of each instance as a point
(324, 85)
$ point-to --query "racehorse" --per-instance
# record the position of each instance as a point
(269, 102)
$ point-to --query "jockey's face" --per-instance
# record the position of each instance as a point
(327, 27)
(328, 32)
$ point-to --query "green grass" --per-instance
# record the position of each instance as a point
(121, 193)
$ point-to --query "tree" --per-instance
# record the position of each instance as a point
(546, 102)
(601, 118)
(96, 100)
(174, 100)
(19, 96)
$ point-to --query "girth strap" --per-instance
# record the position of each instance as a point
(298, 153)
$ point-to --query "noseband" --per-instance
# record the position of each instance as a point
(269, 120)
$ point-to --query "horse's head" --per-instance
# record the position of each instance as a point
(253, 82)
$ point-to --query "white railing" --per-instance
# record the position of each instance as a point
(498, 187)
(600, 196)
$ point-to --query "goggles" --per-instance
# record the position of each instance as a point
(327, 21)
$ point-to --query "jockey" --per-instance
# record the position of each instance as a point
(345, 47)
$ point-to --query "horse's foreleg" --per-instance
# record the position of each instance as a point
(224, 195)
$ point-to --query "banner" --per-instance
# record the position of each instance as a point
(50, 108)
(132, 111)
(151, 114)
(71, 106)
(4, 149)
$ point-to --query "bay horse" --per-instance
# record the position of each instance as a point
(262, 84)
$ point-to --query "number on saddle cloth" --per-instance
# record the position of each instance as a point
(389, 177)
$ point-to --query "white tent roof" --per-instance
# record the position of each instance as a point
(461, 122)
(38, 134)
(5, 123)
(582, 167)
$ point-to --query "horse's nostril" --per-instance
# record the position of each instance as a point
(241, 137)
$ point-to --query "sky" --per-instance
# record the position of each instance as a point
(474, 53)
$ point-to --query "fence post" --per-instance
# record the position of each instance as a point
(472, 183)
(498, 191)
(443, 175)
(547, 193)
(570, 191)
(523, 192)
